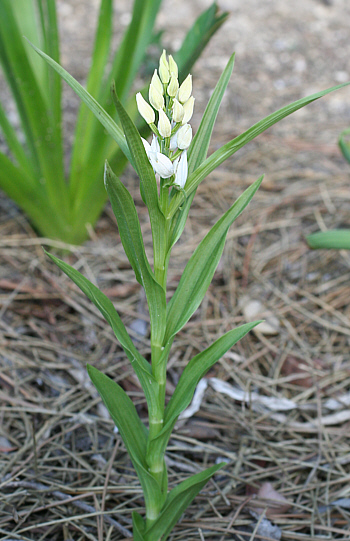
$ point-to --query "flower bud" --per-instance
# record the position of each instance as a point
(154, 147)
(162, 165)
(185, 89)
(178, 111)
(173, 86)
(145, 109)
(173, 67)
(156, 82)
(188, 110)
(184, 137)
(156, 99)
(173, 142)
(164, 126)
(164, 68)
(181, 170)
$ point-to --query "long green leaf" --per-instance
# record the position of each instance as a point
(132, 430)
(112, 128)
(148, 186)
(52, 48)
(138, 527)
(197, 152)
(197, 38)
(177, 502)
(337, 239)
(84, 140)
(194, 371)
(220, 155)
(130, 233)
(141, 366)
(200, 269)
(29, 18)
(198, 367)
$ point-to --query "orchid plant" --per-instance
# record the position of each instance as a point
(170, 168)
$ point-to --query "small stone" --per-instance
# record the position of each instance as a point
(254, 309)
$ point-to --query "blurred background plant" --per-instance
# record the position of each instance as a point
(60, 203)
(337, 239)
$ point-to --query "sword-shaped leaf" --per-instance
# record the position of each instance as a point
(130, 426)
(148, 187)
(200, 268)
(138, 527)
(177, 502)
(192, 374)
(105, 306)
(198, 150)
(111, 127)
(130, 233)
(220, 155)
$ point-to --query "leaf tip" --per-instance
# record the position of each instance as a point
(90, 370)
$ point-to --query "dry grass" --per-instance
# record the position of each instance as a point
(58, 480)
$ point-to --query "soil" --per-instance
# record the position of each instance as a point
(287, 434)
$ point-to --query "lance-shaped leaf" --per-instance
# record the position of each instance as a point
(192, 374)
(177, 502)
(138, 527)
(220, 155)
(200, 269)
(198, 149)
(199, 366)
(111, 127)
(84, 139)
(105, 306)
(143, 166)
(149, 188)
(131, 428)
(130, 233)
(337, 239)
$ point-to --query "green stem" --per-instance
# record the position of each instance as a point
(156, 463)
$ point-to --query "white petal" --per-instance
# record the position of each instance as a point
(173, 142)
(181, 170)
(146, 145)
(162, 165)
(164, 126)
(154, 144)
(184, 136)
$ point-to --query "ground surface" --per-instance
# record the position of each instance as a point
(55, 437)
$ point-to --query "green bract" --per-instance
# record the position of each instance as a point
(61, 203)
(168, 194)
